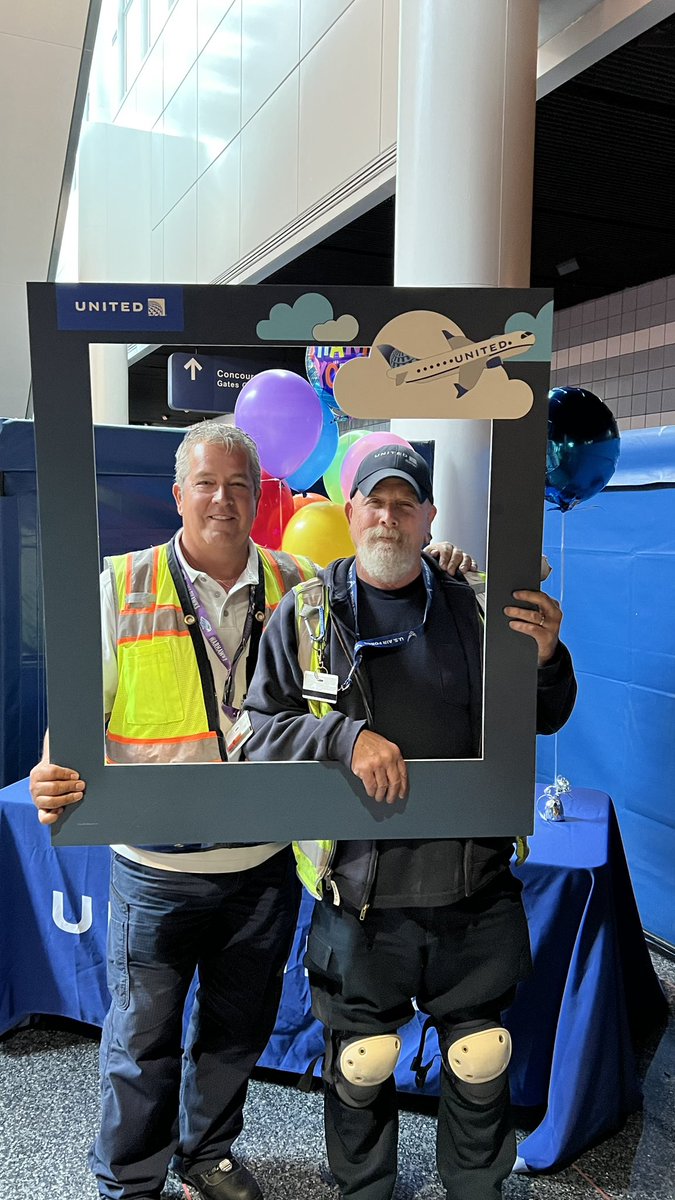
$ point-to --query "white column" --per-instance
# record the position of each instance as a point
(109, 375)
(466, 110)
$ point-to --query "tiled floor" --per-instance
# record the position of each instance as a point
(48, 1103)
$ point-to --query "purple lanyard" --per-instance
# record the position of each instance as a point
(210, 635)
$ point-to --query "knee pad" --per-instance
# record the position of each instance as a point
(475, 1056)
(361, 1064)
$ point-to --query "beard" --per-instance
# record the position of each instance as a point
(387, 557)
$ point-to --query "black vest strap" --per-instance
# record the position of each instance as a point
(259, 608)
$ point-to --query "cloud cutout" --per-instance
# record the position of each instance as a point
(295, 323)
(541, 326)
(423, 365)
(367, 396)
(344, 329)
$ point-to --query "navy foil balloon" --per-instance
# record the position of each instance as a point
(583, 446)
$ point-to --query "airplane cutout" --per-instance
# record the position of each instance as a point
(464, 361)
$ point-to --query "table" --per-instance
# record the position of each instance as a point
(573, 1024)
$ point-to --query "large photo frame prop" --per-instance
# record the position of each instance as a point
(486, 797)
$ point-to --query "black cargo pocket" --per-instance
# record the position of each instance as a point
(118, 952)
(318, 957)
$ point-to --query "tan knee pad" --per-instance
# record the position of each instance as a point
(481, 1056)
(366, 1062)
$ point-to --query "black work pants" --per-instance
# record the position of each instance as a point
(462, 963)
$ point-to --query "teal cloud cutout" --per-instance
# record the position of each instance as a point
(542, 328)
(294, 323)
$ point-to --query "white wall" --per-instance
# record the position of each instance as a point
(41, 48)
(260, 120)
(114, 189)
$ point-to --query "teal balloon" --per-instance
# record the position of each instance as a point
(331, 477)
(321, 457)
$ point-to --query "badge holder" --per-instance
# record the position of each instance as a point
(237, 737)
(320, 685)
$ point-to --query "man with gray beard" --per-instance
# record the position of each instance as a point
(378, 661)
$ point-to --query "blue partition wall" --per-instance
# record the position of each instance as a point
(135, 474)
(614, 569)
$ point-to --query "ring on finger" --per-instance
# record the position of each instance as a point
(542, 619)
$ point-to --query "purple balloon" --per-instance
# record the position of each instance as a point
(283, 414)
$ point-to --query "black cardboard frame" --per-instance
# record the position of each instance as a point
(486, 797)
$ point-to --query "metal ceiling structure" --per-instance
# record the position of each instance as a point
(603, 193)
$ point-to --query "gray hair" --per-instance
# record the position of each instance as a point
(215, 433)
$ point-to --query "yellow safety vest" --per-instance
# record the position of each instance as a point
(312, 858)
(159, 713)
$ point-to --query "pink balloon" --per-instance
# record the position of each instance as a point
(356, 454)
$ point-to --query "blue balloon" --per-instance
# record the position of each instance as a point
(321, 457)
(583, 446)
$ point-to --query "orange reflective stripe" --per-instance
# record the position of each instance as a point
(188, 737)
(133, 612)
(128, 584)
(147, 637)
(155, 569)
(276, 571)
(302, 572)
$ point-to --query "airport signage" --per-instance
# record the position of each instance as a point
(207, 383)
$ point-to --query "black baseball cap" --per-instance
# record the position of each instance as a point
(397, 461)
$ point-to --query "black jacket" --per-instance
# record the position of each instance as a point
(285, 730)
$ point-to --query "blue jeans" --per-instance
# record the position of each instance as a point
(236, 929)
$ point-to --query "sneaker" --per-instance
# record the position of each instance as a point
(230, 1180)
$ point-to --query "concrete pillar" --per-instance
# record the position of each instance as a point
(466, 111)
(109, 374)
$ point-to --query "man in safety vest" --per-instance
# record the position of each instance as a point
(181, 624)
(438, 920)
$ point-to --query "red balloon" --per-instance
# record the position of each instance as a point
(300, 499)
(274, 512)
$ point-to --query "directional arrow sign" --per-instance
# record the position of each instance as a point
(192, 366)
(206, 382)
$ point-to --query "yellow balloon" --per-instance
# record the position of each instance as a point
(319, 531)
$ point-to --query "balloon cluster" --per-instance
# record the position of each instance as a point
(294, 424)
(583, 446)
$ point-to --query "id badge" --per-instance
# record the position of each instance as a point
(319, 685)
(237, 736)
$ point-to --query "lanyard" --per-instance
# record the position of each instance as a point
(390, 640)
(211, 636)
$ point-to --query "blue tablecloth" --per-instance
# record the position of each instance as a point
(573, 1023)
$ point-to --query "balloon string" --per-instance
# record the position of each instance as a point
(562, 605)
